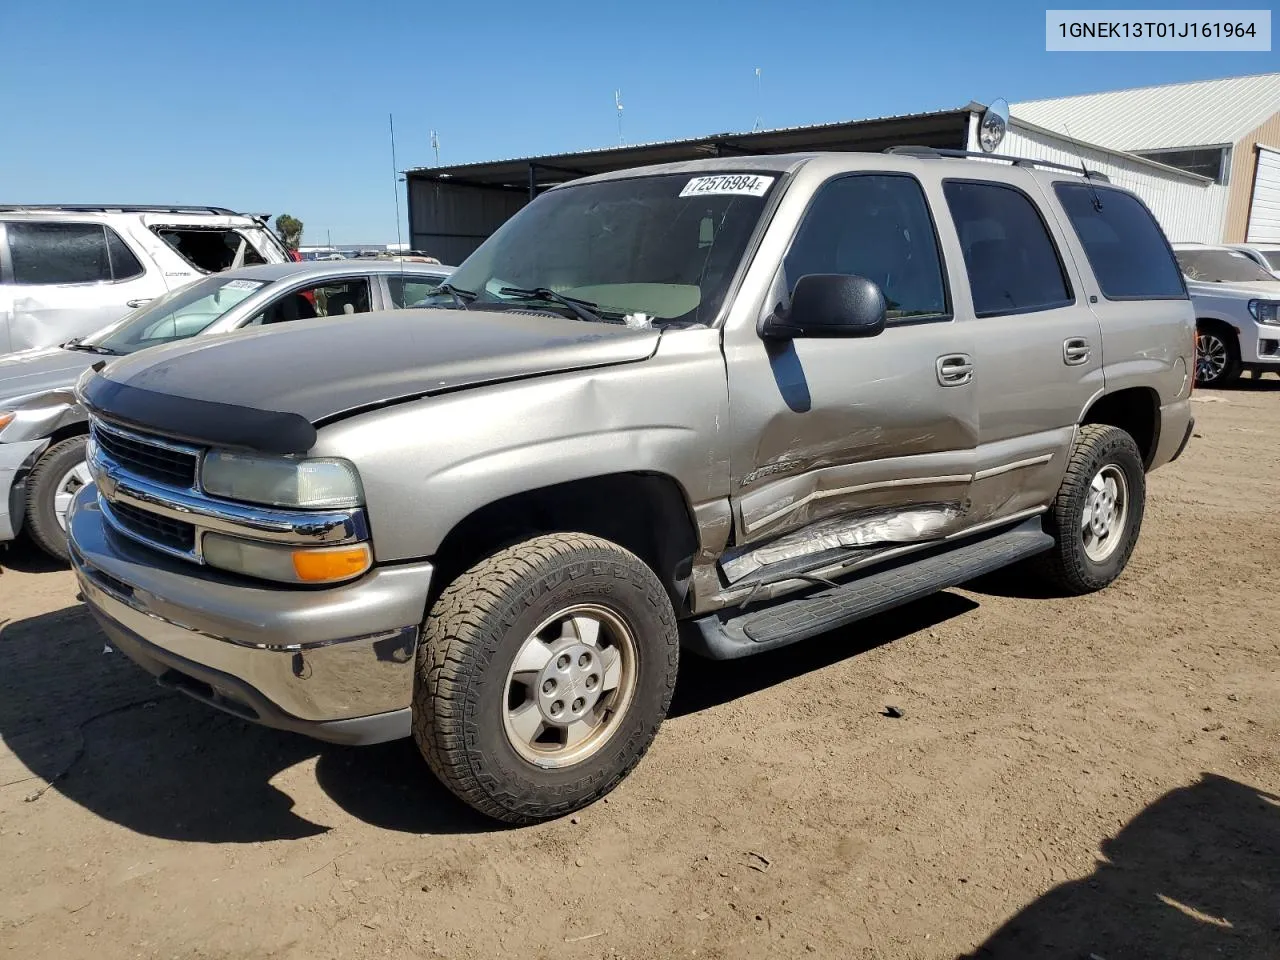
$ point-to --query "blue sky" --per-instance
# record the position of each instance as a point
(276, 107)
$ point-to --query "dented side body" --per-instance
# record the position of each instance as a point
(795, 459)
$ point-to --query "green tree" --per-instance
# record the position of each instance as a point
(290, 230)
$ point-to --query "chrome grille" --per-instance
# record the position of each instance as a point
(147, 457)
(154, 529)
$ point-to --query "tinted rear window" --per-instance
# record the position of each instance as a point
(1011, 260)
(50, 253)
(1123, 242)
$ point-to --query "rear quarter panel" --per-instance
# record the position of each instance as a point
(1145, 343)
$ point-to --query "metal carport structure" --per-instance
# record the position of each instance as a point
(452, 209)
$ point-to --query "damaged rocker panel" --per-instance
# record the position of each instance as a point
(835, 535)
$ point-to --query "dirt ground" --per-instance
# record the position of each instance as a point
(1070, 778)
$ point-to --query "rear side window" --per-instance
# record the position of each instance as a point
(124, 265)
(407, 291)
(1011, 260)
(1123, 242)
(49, 253)
(53, 253)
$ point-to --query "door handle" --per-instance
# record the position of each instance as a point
(954, 369)
(134, 304)
(1075, 351)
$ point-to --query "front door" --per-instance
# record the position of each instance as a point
(847, 443)
(70, 279)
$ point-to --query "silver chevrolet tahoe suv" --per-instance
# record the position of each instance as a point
(723, 406)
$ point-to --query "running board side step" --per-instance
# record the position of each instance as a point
(725, 636)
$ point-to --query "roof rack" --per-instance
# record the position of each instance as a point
(913, 151)
(117, 208)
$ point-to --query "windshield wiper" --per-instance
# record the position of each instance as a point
(582, 309)
(457, 294)
(76, 344)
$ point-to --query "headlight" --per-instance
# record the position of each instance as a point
(1265, 311)
(280, 481)
(286, 564)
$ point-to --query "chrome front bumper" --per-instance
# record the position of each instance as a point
(336, 664)
(16, 460)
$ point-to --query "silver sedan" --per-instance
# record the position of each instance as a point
(43, 430)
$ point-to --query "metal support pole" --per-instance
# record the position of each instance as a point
(533, 182)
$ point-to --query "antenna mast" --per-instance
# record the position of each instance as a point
(759, 100)
(435, 146)
(617, 102)
(395, 187)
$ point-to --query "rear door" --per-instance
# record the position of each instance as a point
(1038, 348)
(69, 279)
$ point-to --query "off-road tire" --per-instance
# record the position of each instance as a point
(1067, 568)
(470, 639)
(42, 519)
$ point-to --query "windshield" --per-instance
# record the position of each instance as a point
(177, 315)
(1220, 266)
(1272, 257)
(656, 249)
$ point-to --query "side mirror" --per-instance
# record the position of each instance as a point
(828, 305)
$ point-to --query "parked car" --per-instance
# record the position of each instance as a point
(1265, 255)
(67, 270)
(742, 401)
(42, 428)
(1237, 306)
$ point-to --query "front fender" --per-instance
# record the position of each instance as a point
(428, 464)
(43, 415)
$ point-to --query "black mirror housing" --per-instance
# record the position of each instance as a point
(829, 305)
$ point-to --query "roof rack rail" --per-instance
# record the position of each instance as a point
(119, 208)
(913, 151)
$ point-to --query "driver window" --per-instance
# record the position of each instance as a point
(875, 226)
(329, 299)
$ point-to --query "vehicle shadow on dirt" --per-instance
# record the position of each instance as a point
(1196, 874)
(82, 719)
(152, 760)
(707, 683)
(24, 557)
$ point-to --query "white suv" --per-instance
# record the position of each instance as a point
(66, 271)
(1237, 312)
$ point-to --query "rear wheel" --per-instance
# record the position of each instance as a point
(1097, 514)
(54, 482)
(544, 673)
(1217, 355)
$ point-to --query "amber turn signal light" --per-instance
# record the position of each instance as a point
(325, 566)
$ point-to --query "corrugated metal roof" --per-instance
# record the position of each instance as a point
(1201, 113)
(750, 136)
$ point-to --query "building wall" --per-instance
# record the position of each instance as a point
(1187, 208)
(449, 220)
(1244, 159)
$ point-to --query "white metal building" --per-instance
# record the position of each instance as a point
(1227, 130)
(1189, 206)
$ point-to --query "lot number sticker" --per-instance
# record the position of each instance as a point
(745, 185)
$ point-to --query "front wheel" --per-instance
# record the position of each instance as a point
(54, 482)
(543, 675)
(1097, 513)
